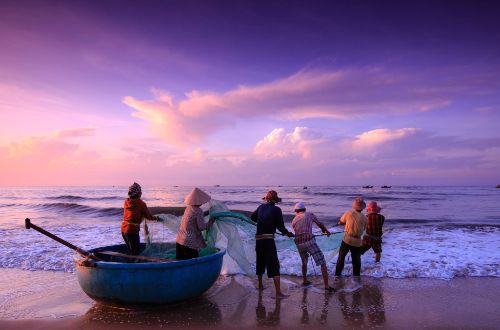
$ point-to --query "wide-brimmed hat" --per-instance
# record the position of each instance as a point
(272, 196)
(373, 208)
(134, 190)
(358, 204)
(197, 197)
(299, 206)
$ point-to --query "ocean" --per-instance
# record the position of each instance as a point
(430, 231)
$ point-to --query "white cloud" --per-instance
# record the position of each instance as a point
(349, 93)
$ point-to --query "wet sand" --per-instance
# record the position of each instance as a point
(54, 300)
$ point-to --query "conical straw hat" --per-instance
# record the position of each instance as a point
(197, 197)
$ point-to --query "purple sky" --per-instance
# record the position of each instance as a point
(249, 92)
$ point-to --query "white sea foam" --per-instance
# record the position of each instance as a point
(425, 252)
(436, 232)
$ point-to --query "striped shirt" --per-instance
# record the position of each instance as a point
(302, 226)
(192, 224)
(374, 225)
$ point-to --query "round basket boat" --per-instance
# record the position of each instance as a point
(150, 283)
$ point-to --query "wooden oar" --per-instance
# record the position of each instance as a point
(84, 253)
(88, 254)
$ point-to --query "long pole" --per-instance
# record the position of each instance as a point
(84, 253)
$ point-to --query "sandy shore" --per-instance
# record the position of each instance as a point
(53, 300)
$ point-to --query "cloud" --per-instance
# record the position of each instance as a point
(348, 93)
(279, 144)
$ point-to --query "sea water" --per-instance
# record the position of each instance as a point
(430, 231)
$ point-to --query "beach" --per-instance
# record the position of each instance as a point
(436, 271)
(54, 300)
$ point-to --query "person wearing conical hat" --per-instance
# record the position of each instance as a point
(355, 223)
(269, 217)
(189, 238)
(134, 211)
(373, 236)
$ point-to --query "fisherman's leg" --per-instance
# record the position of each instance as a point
(377, 248)
(273, 268)
(133, 243)
(344, 248)
(125, 238)
(304, 273)
(356, 260)
(260, 264)
(261, 285)
(324, 272)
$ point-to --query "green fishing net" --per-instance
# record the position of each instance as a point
(231, 231)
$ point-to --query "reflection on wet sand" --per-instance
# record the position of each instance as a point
(366, 302)
(305, 319)
(267, 319)
(199, 312)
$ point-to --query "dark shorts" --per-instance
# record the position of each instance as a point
(133, 242)
(267, 258)
(375, 244)
(183, 252)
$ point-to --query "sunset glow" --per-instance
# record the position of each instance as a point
(217, 92)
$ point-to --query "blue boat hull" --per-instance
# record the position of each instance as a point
(151, 282)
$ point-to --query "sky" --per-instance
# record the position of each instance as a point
(249, 92)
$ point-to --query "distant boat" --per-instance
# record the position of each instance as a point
(385, 187)
(305, 187)
(217, 185)
(498, 185)
(368, 187)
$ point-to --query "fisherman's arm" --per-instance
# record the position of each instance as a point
(147, 214)
(280, 224)
(321, 226)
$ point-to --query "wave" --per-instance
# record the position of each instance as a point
(81, 209)
(81, 198)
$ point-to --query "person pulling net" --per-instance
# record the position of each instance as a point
(232, 231)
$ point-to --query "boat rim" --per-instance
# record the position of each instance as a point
(149, 265)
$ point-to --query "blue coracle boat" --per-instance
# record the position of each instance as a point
(147, 283)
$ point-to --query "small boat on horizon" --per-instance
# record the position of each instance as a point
(386, 187)
(368, 187)
(305, 187)
(498, 185)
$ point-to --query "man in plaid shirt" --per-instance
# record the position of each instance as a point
(373, 237)
(306, 244)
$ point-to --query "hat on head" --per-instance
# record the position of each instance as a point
(373, 208)
(272, 196)
(358, 204)
(134, 190)
(299, 206)
(197, 197)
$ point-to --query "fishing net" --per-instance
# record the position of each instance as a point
(231, 231)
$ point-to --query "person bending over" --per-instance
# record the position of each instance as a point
(189, 238)
(373, 236)
(306, 243)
